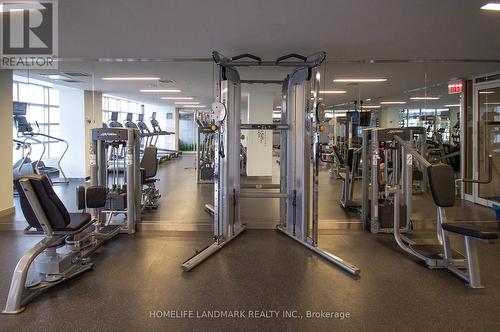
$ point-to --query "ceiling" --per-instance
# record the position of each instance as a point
(346, 30)
(174, 39)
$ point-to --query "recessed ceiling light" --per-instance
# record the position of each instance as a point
(176, 98)
(186, 103)
(371, 106)
(452, 105)
(393, 103)
(328, 92)
(492, 103)
(369, 99)
(424, 98)
(130, 78)
(278, 107)
(491, 6)
(159, 90)
(359, 80)
(486, 92)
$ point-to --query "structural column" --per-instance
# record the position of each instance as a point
(6, 187)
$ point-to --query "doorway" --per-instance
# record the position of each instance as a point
(485, 143)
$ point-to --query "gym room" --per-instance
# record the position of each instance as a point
(241, 165)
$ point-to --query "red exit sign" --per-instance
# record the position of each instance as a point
(455, 87)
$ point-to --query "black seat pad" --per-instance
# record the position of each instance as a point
(78, 221)
(470, 229)
(151, 180)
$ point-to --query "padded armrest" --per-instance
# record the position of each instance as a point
(470, 229)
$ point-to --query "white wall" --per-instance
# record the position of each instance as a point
(72, 129)
(164, 142)
(260, 143)
(6, 196)
(80, 111)
(389, 117)
(93, 119)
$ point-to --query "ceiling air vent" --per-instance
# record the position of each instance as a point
(76, 73)
(167, 81)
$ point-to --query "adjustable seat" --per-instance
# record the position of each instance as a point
(149, 168)
(44, 211)
(58, 220)
(442, 185)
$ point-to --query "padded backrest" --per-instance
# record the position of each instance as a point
(96, 197)
(150, 161)
(350, 157)
(442, 184)
(57, 215)
(22, 124)
(337, 154)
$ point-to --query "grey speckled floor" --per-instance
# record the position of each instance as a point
(262, 269)
(135, 275)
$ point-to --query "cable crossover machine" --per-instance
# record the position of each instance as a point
(302, 120)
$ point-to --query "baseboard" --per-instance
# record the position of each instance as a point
(7, 211)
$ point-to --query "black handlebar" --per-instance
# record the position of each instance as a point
(291, 56)
(247, 55)
(490, 174)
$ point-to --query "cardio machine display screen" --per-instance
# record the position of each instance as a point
(19, 108)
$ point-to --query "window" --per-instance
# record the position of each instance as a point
(42, 114)
(122, 106)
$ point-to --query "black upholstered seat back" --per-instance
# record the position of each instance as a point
(337, 154)
(442, 184)
(57, 215)
(22, 124)
(150, 161)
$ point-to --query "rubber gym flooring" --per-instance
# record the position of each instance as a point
(137, 276)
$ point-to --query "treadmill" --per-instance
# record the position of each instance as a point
(149, 139)
(159, 132)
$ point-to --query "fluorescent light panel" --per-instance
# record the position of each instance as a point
(328, 92)
(186, 103)
(130, 78)
(371, 106)
(491, 6)
(359, 80)
(192, 106)
(176, 98)
(424, 98)
(159, 90)
(486, 92)
(452, 105)
(393, 103)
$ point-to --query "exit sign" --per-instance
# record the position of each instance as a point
(455, 87)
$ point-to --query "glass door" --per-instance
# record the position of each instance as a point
(487, 143)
